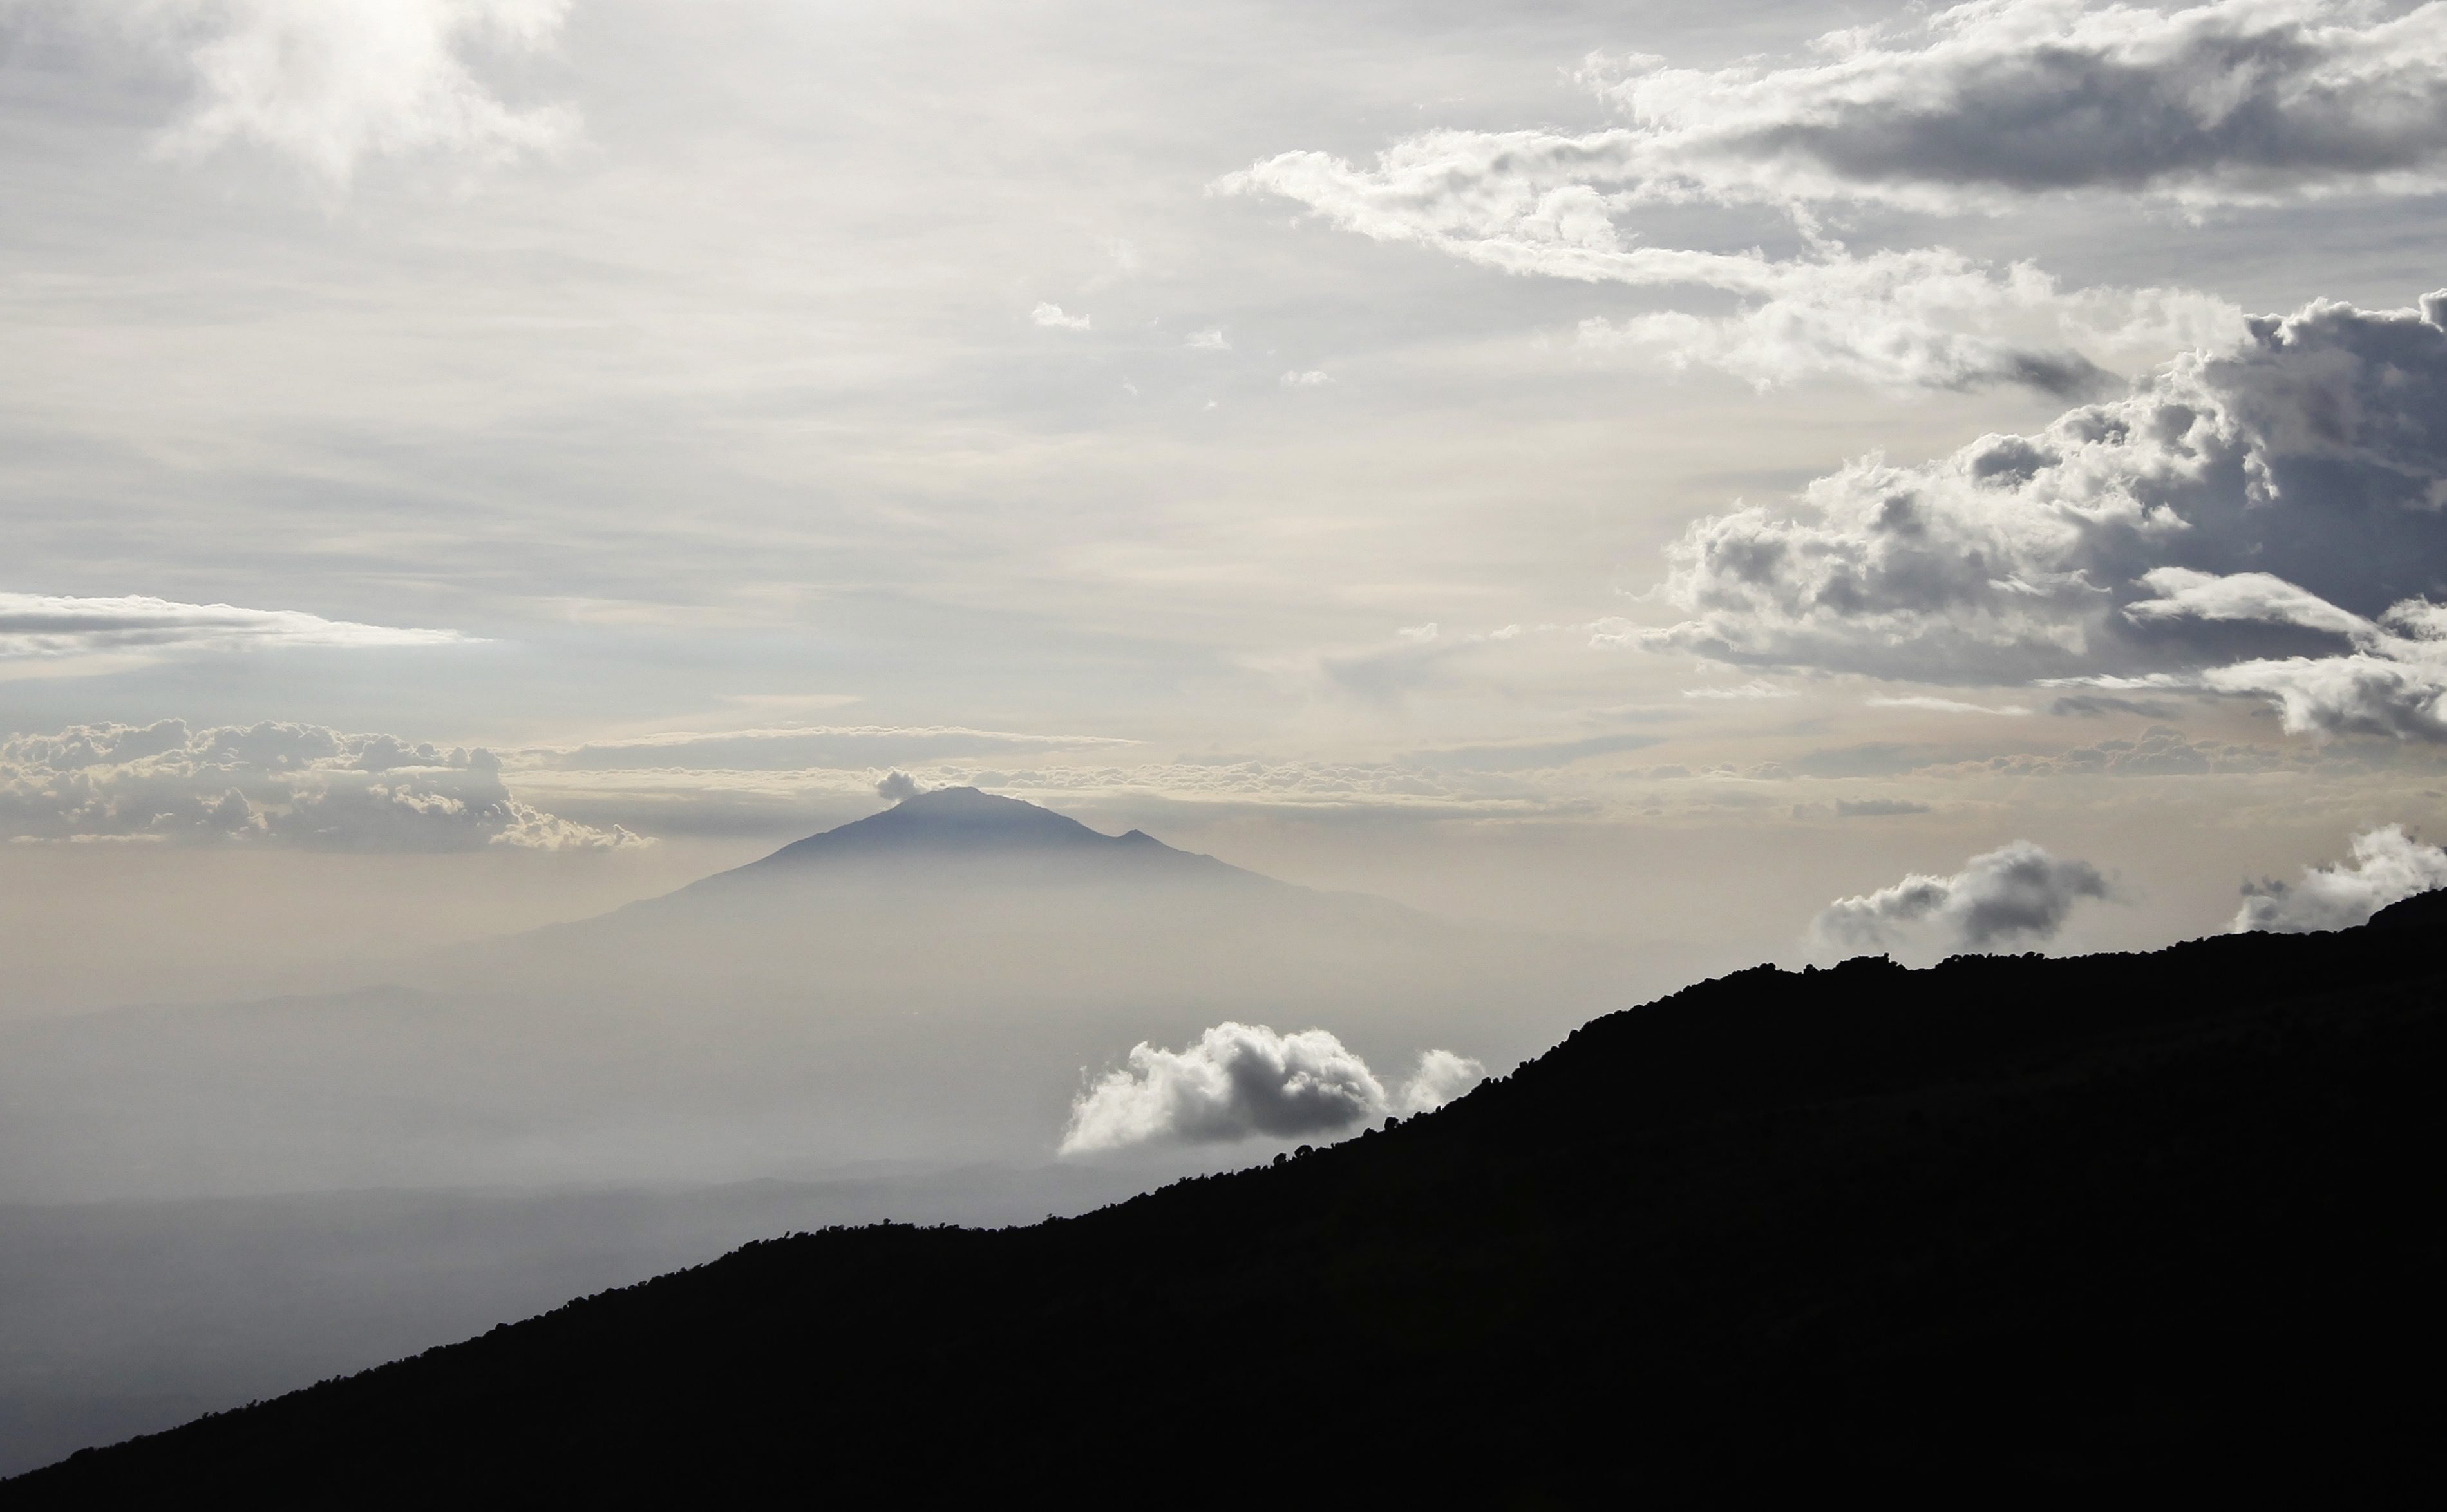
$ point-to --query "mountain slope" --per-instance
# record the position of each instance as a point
(971, 825)
(2002, 1226)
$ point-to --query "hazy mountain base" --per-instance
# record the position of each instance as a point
(2166, 1221)
(118, 1318)
(926, 987)
(930, 984)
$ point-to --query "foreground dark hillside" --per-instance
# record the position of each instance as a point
(2010, 1223)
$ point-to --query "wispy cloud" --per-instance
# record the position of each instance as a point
(789, 747)
(329, 84)
(1965, 111)
(1944, 706)
(52, 626)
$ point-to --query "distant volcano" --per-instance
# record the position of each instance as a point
(963, 827)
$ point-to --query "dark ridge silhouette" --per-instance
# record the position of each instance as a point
(2008, 1227)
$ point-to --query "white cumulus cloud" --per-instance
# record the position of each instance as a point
(2388, 866)
(2016, 894)
(1240, 1081)
(2221, 528)
(1050, 315)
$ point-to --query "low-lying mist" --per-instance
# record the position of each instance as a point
(937, 993)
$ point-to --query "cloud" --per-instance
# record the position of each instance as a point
(1926, 318)
(898, 787)
(1311, 379)
(1920, 318)
(329, 84)
(793, 748)
(1241, 1081)
(1050, 316)
(1528, 756)
(2388, 865)
(1440, 1077)
(2241, 102)
(271, 783)
(1877, 807)
(2015, 894)
(1908, 116)
(1755, 687)
(2161, 752)
(1945, 706)
(2271, 497)
(1208, 341)
(673, 799)
(2092, 705)
(1971, 110)
(38, 625)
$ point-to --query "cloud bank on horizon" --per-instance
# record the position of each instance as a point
(271, 783)
(1246, 1080)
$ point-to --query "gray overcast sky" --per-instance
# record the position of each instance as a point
(1548, 461)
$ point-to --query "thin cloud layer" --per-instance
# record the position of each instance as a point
(798, 747)
(1242, 1081)
(50, 625)
(1976, 109)
(271, 783)
(329, 84)
(2223, 528)
(2015, 895)
(2387, 866)
(1924, 317)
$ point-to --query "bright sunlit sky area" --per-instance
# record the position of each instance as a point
(1636, 471)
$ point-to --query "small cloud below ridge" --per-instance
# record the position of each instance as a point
(1243, 1081)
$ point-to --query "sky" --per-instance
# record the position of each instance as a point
(1748, 482)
